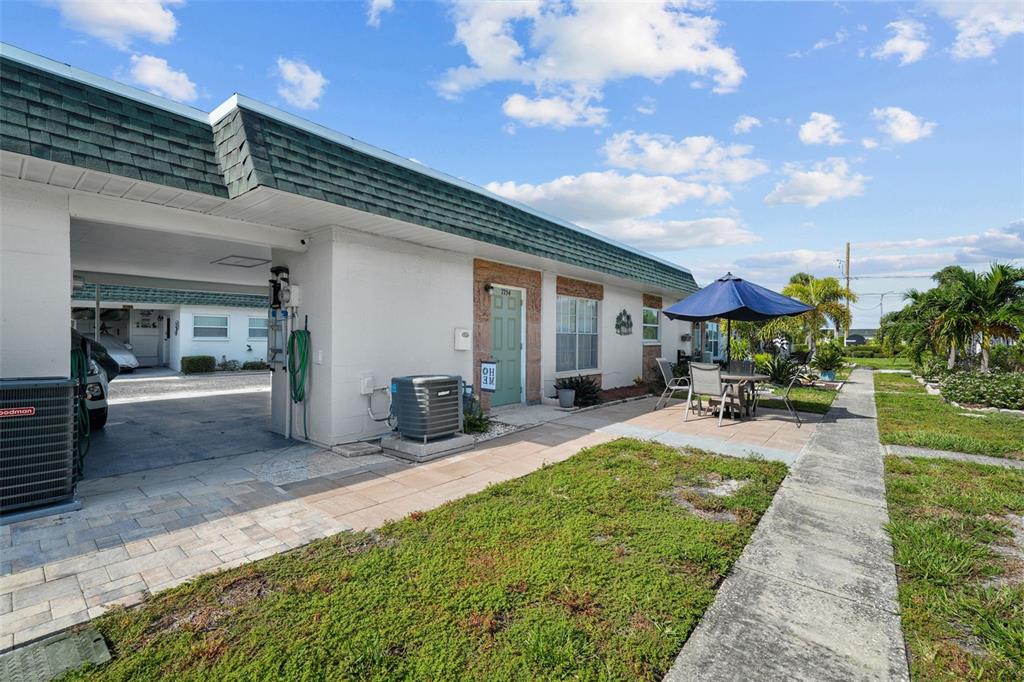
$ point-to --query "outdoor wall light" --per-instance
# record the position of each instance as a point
(488, 287)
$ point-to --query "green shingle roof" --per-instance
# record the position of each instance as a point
(59, 119)
(54, 117)
(127, 294)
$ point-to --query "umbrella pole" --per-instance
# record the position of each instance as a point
(728, 342)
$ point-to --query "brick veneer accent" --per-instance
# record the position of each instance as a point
(489, 272)
(651, 355)
(566, 286)
(652, 301)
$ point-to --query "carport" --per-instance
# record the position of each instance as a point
(159, 419)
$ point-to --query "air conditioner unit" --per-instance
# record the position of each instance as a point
(427, 407)
(37, 442)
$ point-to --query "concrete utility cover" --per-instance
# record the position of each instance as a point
(46, 659)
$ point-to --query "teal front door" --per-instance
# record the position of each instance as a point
(507, 345)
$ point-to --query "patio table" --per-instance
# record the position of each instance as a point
(747, 383)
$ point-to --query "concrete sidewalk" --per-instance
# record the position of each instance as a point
(813, 596)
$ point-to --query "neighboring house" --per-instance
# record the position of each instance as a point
(164, 325)
(403, 269)
(861, 336)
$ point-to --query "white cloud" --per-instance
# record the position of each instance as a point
(827, 180)
(745, 123)
(838, 38)
(901, 126)
(699, 157)
(156, 75)
(822, 129)
(868, 142)
(600, 197)
(579, 47)
(674, 235)
(375, 8)
(646, 106)
(557, 112)
(624, 208)
(909, 42)
(119, 23)
(981, 27)
(999, 243)
(301, 86)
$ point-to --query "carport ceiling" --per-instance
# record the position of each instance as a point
(125, 250)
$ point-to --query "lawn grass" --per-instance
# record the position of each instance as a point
(803, 398)
(587, 569)
(883, 363)
(908, 415)
(961, 590)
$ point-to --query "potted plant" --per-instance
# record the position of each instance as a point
(827, 359)
(578, 391)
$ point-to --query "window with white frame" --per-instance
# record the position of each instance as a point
(209, 326)
(576, 334)
(652, 325)
(257, 327)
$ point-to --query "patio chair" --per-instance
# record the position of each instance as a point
(673, 384)
(706, 379)
(785, 397)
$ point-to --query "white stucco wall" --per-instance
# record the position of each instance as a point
(238, 345)
(621, 356)
(380, 308)
(35, 281)
(398, 308)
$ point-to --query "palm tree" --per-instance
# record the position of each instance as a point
(932, 321)
(827, 298)
(990, 303)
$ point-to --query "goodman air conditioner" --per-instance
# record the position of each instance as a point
(427, 407)
(37, 442)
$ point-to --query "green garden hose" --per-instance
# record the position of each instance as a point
(298, 370)
(80, 373)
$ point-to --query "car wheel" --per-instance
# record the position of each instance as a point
(97, 419)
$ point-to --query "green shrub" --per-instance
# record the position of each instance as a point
(780, 369)
(588, 391)
(198, 364)
(995, 389)
(934, 369)
(255, 364)
(473, 418)
(1007, 358)
(828, 357)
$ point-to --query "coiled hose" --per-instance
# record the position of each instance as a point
(298, 370)
(80, 373)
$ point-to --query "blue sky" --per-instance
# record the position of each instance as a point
(756, 137)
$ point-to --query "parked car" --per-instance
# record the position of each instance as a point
(120, 352)
(102, 369)
(97, 389)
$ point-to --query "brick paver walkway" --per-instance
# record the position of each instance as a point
(147, 531)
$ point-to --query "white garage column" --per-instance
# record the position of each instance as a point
(35, 281)
(313, 272)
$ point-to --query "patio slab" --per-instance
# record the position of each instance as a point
(146, 531)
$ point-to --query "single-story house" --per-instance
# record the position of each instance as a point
(402, 269)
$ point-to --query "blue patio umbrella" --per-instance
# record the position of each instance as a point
(732, 298)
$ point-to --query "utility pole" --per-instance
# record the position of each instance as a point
(846, 267)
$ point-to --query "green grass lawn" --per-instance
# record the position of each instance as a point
(593, 568)
(907, 415)
(803, 399)
(883, 363)
(961, 590)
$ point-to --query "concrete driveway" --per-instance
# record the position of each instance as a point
(161, 421)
